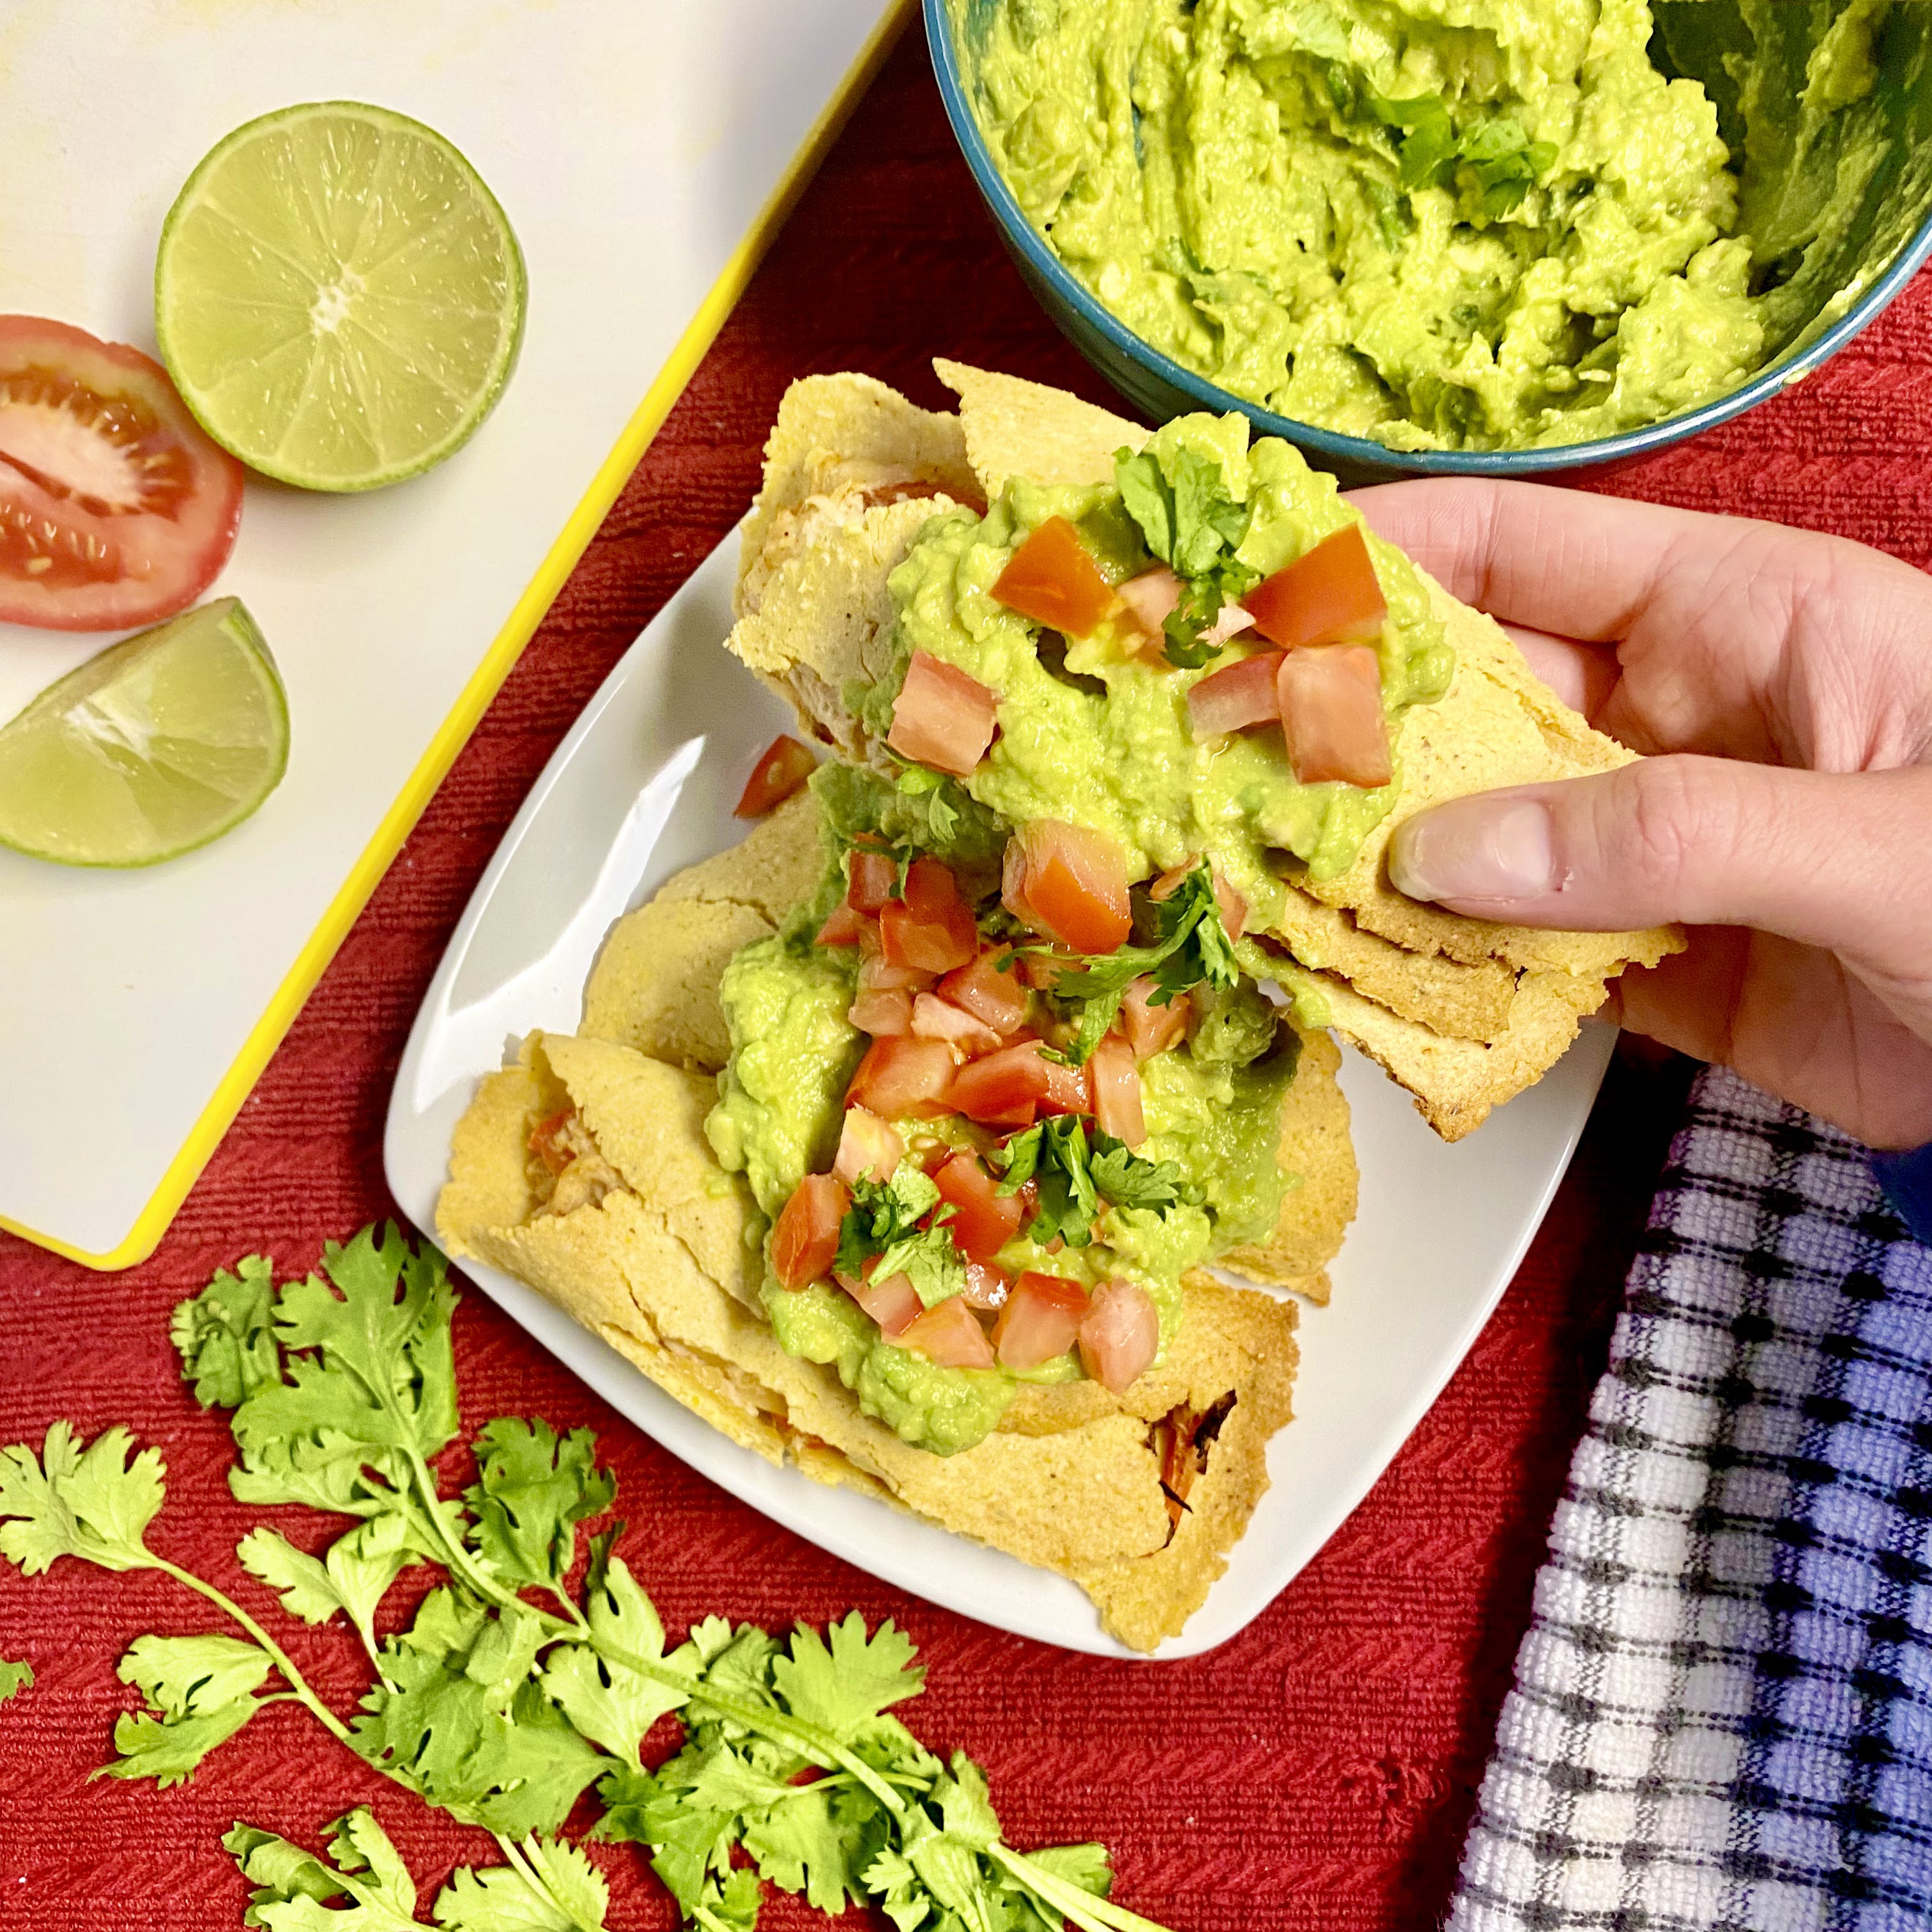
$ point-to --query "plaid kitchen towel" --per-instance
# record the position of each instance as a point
(1722, 1718)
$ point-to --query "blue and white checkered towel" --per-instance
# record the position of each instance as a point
(1722, 1718)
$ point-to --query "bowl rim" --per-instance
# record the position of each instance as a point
(1362, 452)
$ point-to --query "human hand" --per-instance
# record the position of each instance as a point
(1781, 681)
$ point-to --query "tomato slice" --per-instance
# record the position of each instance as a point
(1117, 1091)
(871, 878)
(1330, 596)
(931, 929)
(950, 1334)
(942, 717)
(783, 768)
(992, 993)
(893, 1304)
(116, 509)
(1069, 883)
(1244, 693)
(903, 1077)
(806, 1235)
(869, 1148)
(984, 1220)
(1003, 1089)
(1041, 1319)
(1052, 579)
(1331, 711)
(1152, 1029)
(1120, 1336)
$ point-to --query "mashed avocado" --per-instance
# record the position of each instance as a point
(1100, 737)
(1496, 224)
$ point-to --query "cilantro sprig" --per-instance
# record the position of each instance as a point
(883, 1221)
(1506, 162)
(1190, 948)
(1073, 1172)
(511, 1694)
(1193, 525)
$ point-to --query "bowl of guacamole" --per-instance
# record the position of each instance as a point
(1506, 236)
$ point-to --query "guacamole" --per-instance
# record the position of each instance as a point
(1496, 225)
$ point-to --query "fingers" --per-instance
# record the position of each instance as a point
(1842, 862)
(1584, 676)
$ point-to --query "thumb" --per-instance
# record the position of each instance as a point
(1842, 861)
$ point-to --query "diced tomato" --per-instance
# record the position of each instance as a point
(1068, 1089)
(1003, 1089)
(877, 974)
(785, 766)
(935, 1019)
(942, 717)
(869, 1148)
(1232, 907)
(903, 1077)
(1230, 621)
(870, 877)
(1331, 712)
(882, 1014)
(1152, 1029)
(806, 1236)
(1244, 693)
(1120, 1335)
(949, 1332)
(1069, 883)
(1052, 579)
(845, 928)
(1152, 597)
(993, 993)
(984, 1220)
(1042, 1318)
(893, 1304)
(1117, 1091)
(932, 928)
(986, 1287)
(546, 1141)
(1330, 596)
(116, 508)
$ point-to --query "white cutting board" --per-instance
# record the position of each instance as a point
(644, 150)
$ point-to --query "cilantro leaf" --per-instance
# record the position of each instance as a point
(843, 1680)
(292, 1885)
(883, 1221)
(532, 1490)
(1428, 146)
(1130, 1180)
(202, 1691)
(1498, 151)
(1074, 1173)
(569, 1894)
(353, 1577)
(15, 1677)
(91, 1502)
(1192, 522)
(225, 1336)
(730, 1905)
(801, 1844)
(610, 1705)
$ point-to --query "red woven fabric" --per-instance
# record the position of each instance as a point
(1317, 1771)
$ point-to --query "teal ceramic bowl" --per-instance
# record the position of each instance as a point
(1884, 245)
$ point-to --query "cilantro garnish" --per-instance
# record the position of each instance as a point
(1191, 948)
(507, 1695)
(14, 1677)
(1505, 161)
(883, 1221)
(1195, 526)
(1073, 1173)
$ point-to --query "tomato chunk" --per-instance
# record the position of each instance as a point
(1120, 1336)
(1152, 597)
(942, 717)
(932, 928)
(876, 974)
(1069, 883)
(1152, 1029)
(783, 768)
(871, 878)
(893, 1304)
(1069, 1089)
(1041, 1319)
(902, 1076)
(1052, 579)
(116, 508)
(1003, 1089)
(984, 1220)
(869, 1149)
(844, 927)
(949, 1332)
(1329, 596)
(1117, 1091)
(987, 1287)
(805, 1237)
(881, 1013)
(935, 1019)
(1244, 693)
(1331, 711)
(992, 992)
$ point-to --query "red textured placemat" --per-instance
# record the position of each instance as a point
(1316, 1772)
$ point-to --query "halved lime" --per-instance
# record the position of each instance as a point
(164, 741)
(338, 297)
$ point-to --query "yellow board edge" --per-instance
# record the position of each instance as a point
(466, 713)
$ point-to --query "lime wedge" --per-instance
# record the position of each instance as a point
(338, 296)
(164, 741)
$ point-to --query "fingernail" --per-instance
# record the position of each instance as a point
(1473, 849)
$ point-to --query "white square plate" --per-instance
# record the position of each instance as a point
(642, 786)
